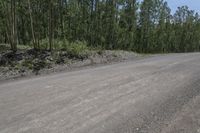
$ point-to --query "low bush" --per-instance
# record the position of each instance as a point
(61, 44)
(44, 43)
(77, 50)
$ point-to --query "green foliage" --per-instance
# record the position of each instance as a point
(44, 44)
(77, 49)
(5, 47)
(147, 26)
(61, 44)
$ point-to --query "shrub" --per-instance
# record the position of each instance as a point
(44, 43)
(78, 49)
(60, 44)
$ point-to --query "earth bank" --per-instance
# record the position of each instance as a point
(32, 62)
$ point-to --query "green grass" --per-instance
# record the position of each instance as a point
(6, 47)
(74, 48)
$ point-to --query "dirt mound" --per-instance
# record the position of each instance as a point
(33, 62)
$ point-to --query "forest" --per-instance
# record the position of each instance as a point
(145, 27)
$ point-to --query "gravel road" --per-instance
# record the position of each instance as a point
(159, 94)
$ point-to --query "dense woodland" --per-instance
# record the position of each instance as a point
(147, 27)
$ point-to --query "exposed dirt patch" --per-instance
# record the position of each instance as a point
(31, 62)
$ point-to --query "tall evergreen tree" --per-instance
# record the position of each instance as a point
(109, 24)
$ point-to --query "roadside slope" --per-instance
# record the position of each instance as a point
(28, 63)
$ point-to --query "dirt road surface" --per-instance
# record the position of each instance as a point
(159, 94)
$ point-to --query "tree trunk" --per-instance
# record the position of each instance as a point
(50, 25)
(14, 29)
(61, 18)
(32, 26)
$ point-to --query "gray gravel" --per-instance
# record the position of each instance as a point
(159, 94)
